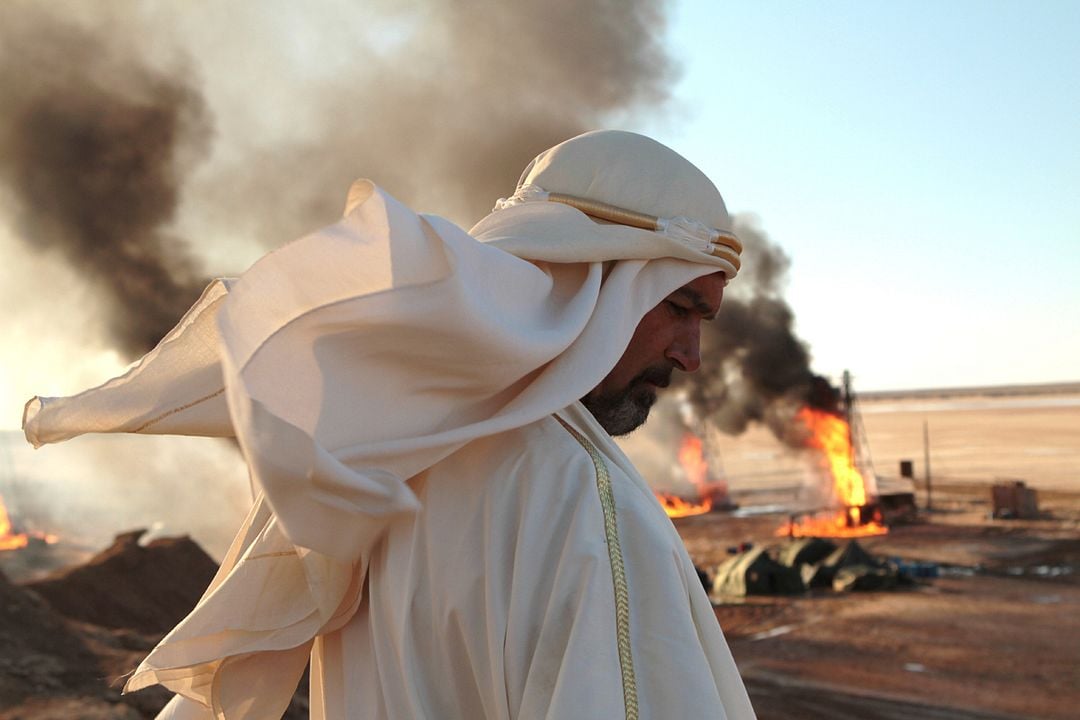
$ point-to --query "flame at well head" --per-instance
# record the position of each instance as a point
(695, 468)
(10, 540)
(830, 435)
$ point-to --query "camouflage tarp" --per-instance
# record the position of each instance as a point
(755, 572)
(805, 551)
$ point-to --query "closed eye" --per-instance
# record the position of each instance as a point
(678, 310)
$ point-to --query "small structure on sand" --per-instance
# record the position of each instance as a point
(1014, 500)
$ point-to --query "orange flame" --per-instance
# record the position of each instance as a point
(691, 458)
(8, 539)
(675, 506)
(831, 435)
(836, 524)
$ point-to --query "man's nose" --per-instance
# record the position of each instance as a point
(685, 349)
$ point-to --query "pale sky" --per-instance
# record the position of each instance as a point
(919, 162)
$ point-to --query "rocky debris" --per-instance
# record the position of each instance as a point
(144, 588)
(68, 641)
(55, 667)
(41, 651)
(72, 709)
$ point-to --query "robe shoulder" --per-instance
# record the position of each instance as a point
(498, 595)
(526, 498)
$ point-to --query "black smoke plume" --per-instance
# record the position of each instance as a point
(441, 103)
(760, 369)
(93, 145)
(447, 116)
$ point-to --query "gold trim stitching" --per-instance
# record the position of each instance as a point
(182, 408)
(618, 572)
(278, 553)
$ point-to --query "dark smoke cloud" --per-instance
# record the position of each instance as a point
(448, 114)
(761, 369)
(442, 103)
(93, 145)
(108, 156)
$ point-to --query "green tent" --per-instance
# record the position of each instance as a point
(816, 576)
(850, 567)
(755, 572)
(863, 577)
(851, 553)
(805, 551)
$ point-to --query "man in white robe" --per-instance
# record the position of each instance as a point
(440, 525)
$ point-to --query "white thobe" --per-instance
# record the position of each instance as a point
(497, 599)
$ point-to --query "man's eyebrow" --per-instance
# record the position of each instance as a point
(708, 313)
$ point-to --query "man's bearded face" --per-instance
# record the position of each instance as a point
(668, 337)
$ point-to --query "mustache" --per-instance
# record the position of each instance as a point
(659, 376)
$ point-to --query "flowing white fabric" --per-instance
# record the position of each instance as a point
(496, 600)
(346, 363)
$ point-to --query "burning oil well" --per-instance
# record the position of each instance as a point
(844, 495)
(757, 371)
(12, 538)
(852, 509)
(27, 552)
(710, 492)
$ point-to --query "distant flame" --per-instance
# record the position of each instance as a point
(8, 539)
(12, 540)
(831, 435)
(692, 459)
(675, 506)
(695, 467)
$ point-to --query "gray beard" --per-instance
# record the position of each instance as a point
(621, 413)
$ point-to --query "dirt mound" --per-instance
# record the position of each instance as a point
(144, 588)
(68, 641)
(42, 652)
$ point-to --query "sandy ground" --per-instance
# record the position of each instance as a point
(996, 636)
